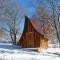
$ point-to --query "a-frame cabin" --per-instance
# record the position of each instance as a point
(32, 36)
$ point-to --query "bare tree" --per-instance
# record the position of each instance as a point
(44, 20)
(58, 18)
(55, 15)
(9, 16)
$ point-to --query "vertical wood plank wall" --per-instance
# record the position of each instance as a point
(37, 39)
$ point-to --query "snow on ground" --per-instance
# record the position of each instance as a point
(10, 52)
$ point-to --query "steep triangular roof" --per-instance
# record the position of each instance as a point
(34, 24)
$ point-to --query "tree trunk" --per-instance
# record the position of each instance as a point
(59, 29)
(14, 39)
(11, 36)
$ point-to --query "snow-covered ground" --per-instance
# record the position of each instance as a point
(10, 52)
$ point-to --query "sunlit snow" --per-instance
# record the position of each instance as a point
(12, 52)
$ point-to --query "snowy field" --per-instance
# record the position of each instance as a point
(10, 52)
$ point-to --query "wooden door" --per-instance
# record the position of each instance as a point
(30, 39)
(43, 43)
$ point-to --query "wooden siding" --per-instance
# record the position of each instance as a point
(31, 38)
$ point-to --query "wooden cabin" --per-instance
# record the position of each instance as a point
(32, 36)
